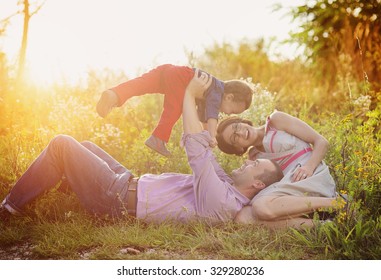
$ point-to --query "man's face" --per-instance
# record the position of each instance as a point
(250, 170)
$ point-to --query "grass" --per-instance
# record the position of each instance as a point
(84, 237)
(57, 227)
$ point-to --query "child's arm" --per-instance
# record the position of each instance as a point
(212, 128)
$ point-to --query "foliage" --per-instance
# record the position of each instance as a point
(289, 81)
(338, 33)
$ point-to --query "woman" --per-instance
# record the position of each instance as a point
(299, 150)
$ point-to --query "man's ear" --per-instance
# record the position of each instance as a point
(258, 184)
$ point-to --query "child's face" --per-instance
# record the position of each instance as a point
(228, 106)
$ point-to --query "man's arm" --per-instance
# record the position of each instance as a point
(215, 198)
(192, 126)
(191, 122)
(212, 128)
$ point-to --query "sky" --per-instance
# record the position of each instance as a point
(69, 37)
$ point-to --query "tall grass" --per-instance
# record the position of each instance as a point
(57, 227)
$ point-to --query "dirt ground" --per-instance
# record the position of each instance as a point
(17, 252)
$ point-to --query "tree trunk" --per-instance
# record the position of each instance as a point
(21, 69)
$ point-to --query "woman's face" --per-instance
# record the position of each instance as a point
(239, 135)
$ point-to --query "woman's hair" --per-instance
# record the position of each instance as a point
(225, 146)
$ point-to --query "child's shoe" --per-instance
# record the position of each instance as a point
(157, 145)
(108, 100)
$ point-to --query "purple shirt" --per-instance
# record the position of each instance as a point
(208, 194)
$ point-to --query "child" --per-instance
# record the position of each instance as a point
(230, 97)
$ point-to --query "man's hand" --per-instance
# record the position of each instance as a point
(212, 128)
(198, 85)
(213, 142)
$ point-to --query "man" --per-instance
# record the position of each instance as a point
(103, 186)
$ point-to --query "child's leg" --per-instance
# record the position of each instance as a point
(175, 79)
(149, 82)
(167, 79)
(172, 110)
(288, 206)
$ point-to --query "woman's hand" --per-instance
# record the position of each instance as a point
(302, 172)
(198, 85)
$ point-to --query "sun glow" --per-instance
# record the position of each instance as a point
(52, 57)
(67, 38)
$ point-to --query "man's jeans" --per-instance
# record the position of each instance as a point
(98, 180)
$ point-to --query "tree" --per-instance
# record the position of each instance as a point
(27, 15)
(24, 42)
(4, 23)
(341, 36)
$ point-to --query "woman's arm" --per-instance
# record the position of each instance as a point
(302, 130)
(245, 216)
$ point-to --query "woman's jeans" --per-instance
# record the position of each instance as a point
(98, 180)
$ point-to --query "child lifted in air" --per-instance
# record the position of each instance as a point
(229, 97)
